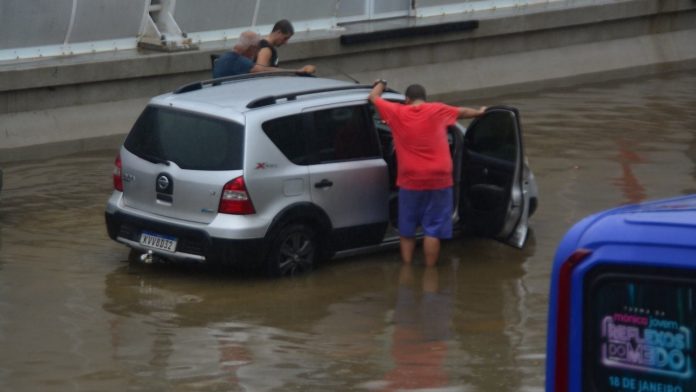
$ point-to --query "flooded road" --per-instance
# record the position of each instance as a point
(75, 316)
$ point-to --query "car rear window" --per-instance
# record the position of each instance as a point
(192, 141)
(639, 330)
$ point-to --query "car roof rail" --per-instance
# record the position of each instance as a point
(218, 81)
(272, 99)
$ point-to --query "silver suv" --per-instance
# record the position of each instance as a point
(281, 171)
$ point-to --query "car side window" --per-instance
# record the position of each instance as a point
(344, 134)
(290, 136)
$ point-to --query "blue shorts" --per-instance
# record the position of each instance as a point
(430, 209)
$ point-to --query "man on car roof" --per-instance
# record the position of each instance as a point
(239, 60)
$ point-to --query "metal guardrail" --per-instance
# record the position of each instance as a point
(52, 28)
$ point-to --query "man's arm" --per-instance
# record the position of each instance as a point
(264, 57)
(465, 112)
(308, 69)
(377, 90)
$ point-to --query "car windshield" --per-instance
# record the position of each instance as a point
(190, 140)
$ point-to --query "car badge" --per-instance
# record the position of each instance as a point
(162, 183)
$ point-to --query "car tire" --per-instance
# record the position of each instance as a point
(292, 251)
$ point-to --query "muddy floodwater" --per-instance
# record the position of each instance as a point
(76, 316)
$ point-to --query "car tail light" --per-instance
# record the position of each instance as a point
(235, 199)
(118, 180)
(563, 318)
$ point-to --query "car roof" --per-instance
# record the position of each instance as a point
(665, 222)
(235, 95)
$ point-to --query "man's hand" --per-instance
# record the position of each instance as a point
(308, 69)
(380, 81)
(465, 112)
(377, 89)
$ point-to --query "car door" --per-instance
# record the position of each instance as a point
(494, 201)
(349, 179)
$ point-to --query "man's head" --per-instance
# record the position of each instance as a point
(415, 92)
(281, 33)
(248, 44)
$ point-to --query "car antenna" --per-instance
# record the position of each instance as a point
(345, 74)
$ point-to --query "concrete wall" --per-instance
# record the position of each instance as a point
(66, 105)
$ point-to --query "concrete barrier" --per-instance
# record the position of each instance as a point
(86, 102)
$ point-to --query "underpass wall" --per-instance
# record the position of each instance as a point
(59, 106)
(42, 28)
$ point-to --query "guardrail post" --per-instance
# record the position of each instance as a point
(160, 31)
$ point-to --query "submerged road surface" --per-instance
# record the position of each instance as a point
(74, 316)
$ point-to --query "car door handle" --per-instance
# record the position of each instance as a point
(323, 184)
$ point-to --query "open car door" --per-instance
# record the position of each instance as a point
(494, 201)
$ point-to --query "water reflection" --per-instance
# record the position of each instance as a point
(396, 328)
(202, 328)
(422, 328)
(631, 188)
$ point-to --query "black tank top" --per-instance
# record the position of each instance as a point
(274, 54)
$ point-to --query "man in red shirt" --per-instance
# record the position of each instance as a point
(424, 174)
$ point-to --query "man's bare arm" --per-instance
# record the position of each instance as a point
(308, 69)
(377, 90)
(465, 112)
(264, 57)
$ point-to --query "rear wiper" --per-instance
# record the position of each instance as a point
(154, 159)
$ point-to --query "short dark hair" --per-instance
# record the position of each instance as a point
(415, 91)
(284, 26)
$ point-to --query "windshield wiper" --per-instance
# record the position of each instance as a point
(154, 159)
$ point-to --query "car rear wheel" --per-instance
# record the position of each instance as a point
(292, 251)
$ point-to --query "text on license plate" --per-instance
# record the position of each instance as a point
(158, 241)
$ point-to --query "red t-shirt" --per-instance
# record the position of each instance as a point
(420, 139)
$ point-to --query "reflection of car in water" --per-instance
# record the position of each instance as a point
(331, 331)
(202, 329)
(280, 172)
(622, 311)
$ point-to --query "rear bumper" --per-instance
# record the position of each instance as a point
(192, 244)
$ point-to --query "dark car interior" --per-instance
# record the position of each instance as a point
(489, 162)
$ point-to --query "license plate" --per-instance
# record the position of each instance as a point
(158, 241)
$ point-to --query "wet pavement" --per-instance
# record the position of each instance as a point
(75, 316)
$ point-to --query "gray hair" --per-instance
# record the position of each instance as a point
(246, 40)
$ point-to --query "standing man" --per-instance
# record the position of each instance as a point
(239, 60)
(424, 174)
